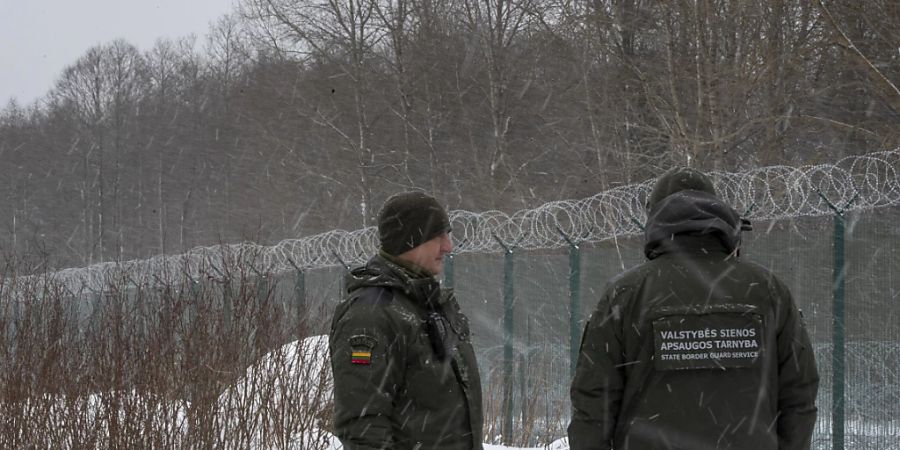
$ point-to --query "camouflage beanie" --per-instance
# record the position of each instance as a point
(676, 180)
(408, 220)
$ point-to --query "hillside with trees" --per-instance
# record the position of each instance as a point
(290, 118)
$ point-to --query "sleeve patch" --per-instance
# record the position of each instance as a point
(361, 346)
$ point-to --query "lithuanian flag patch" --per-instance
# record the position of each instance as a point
(361, 357)
(361, 347)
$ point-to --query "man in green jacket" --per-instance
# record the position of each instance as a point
(694, 349)
(405, 375)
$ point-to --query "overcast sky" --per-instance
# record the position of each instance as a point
(38, 38)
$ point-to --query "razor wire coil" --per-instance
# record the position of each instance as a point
(762, 194)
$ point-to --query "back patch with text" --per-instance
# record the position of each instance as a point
(707, 341)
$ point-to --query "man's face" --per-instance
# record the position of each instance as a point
(430, 255)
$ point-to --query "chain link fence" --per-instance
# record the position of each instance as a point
(529, 279)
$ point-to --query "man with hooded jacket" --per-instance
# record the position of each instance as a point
(405, 375)
(694, 349)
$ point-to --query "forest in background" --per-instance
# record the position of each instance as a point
(290, 118)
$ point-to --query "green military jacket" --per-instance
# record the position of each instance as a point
(694, 349)
(405, 375)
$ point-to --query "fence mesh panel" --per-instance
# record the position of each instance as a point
(792, 212)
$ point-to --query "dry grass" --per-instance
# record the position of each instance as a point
(539, 405)
(179, 363)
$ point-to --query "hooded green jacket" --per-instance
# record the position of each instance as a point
(694, 349)
(405, 375)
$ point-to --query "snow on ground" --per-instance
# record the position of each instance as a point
(281, 370)
(316, 347)
(293, 381)
(297, 376)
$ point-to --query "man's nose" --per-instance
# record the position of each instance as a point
(447, 244)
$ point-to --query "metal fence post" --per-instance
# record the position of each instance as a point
(262, 288)
(448, 271)
(574, 301)
(195, 291)
(300, 297)
(227, 299)
(508, 317)
(523, 378)
(227, 303)
(343, 283)
(838, 274)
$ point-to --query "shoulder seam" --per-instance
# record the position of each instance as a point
(375, 295)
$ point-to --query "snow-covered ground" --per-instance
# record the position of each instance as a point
(308, 380)
(287, 389)
(290, 388)
(316, 348)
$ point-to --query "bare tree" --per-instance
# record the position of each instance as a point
(497, 27)
(101, 89)
(343, 33)
(229, 54)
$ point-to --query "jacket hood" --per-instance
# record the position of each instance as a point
(380, 272)
(690, 213)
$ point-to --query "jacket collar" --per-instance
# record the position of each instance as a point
(412, 270)
(382, 270)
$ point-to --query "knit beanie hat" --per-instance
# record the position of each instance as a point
(408, 220)
(679, 179)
